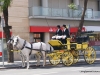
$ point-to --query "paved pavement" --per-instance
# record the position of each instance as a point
(18, 63)
(80, 68)
(52, 70)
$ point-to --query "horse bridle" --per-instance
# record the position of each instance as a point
(16, 42)
(11, 39)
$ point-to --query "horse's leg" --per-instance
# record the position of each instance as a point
(38, 59)
(44, 58)
(22, 59)
(27, 59)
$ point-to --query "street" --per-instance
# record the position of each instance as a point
(80, 68)
(53, 71)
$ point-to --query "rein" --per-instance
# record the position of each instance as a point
(23, 45)
(31, 48)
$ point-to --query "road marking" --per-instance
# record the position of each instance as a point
(46, 73)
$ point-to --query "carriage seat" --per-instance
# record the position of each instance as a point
(81, 39)
(55, 43)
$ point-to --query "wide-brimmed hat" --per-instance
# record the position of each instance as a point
(58, 26)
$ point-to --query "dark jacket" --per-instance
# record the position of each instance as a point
(59, 32)
(66, 32)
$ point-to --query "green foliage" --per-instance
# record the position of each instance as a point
(4, 4)
(72, 6)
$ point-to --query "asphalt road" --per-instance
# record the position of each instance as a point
(80, 68)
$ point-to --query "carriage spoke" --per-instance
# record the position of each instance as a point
(54, 59)
(67, 58)
(90, 55)
(75, 54)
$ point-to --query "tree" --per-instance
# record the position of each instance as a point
(82, 18)
(72, 7)
(5, 5)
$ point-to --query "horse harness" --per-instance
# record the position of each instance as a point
(31, 47)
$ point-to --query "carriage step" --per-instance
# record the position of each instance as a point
(55, 43)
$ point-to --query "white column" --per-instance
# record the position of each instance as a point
(76, 2)
(45, 7)
(46, 39)
(44, 3)
(31, 37)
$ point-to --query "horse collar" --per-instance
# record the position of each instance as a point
(23, 45)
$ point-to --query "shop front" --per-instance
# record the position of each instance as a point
(44, 33)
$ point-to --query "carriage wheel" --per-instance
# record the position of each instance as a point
(75, 54)
(90, 55)
(54, 59)
(67, 58)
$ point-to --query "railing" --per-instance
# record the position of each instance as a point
(64, 13)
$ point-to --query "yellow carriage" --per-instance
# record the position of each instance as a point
(69, 53)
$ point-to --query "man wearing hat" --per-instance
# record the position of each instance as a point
(65, 34)
(58, 33)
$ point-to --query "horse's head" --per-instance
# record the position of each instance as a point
(15, 42)
(10, 41)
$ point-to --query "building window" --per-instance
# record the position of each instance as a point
(38, 37)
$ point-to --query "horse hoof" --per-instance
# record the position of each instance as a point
(27, 68)
(43, 65)
(23, 67)
(38, 65)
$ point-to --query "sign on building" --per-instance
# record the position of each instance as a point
(0, 48)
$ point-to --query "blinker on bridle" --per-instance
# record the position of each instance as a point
(16, 41)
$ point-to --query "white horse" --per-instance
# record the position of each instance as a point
(9, 43)
(27, 48)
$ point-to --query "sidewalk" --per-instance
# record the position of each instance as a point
(17, 64)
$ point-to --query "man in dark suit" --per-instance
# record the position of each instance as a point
(65, 34)
(58, 33)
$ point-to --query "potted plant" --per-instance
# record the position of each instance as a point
(72, 7)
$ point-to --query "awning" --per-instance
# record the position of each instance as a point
(51, 29)
(92, 28)
(4, 34)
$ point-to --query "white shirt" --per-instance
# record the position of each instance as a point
(58, 30)
(64, 29)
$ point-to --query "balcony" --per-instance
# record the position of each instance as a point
(55, 13)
